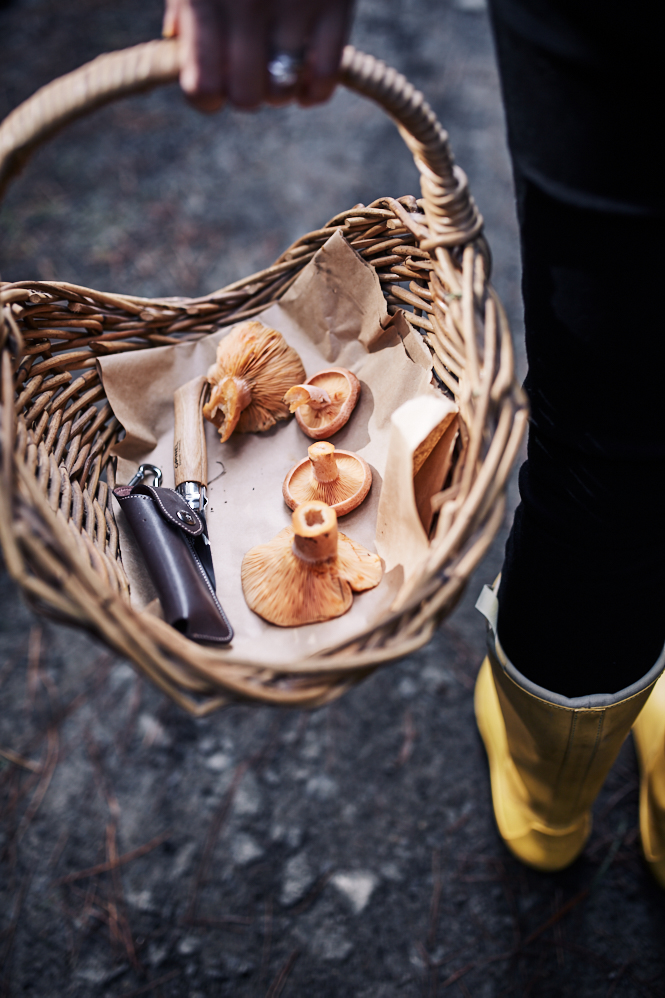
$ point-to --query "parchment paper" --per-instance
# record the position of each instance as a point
(334, 313)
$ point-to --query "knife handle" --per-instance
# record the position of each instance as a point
(190, 459)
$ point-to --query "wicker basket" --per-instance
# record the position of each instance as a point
(57, 529)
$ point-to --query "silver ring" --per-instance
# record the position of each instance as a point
(284, 69)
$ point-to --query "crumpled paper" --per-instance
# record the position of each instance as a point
(333, 314)
(420, 453)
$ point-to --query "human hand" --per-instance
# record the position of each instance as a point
(228, 45)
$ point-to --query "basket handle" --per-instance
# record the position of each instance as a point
(451, 214)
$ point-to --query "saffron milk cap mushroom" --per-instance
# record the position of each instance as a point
(337, 477)
(324, 402)
(254, 367)
(309, 571)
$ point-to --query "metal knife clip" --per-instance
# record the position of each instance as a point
(143, 472)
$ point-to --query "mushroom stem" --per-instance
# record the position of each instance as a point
(316, 398)
(227, 401)
(243, 391)
(314, 532)
(324, 463)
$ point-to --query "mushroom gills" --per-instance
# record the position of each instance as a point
(324, 403)
(308, 572)
(339, 478)
(254, 367)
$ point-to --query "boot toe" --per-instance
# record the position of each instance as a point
(550, 850)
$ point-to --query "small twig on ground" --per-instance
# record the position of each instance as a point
(632, 835)
(122, 927)
(608, 965)
(238, 922)
(468, 682)
(463, 988)
(556, 917)
(219, 817)
(312, 895)
(17, 788)
(34, 656)
(8, 666)
(66, 924)
(409, 730)
(9, 934)
(611, 853)
(478, 922)
(457, 974)
(18, 760)
(432, 968)
(151, 985)
(267, 939)
(216, 823)
(558, 929)
(58, 848)
(107, 867)
(463, 653)
(332, 711)
(511, 901)
(478, 879)
(557, 943)
(536, 977)
(127, 732)
(47, 770)
(99, 669)
(519, 949)
(618, 974)
(617, 797)
(275, 989)
(456, 825)
(436, 897)
(105, 791)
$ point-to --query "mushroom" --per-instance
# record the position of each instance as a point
(337, 477)
(254, 367)
(307, 573)
(324, 402)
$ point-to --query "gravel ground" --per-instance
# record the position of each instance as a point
(349, 851)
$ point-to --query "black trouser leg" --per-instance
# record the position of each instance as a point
(582, 597)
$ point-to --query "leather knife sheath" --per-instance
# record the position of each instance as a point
(165, 528)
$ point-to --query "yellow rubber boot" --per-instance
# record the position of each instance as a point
(649, 735)
(548, 754)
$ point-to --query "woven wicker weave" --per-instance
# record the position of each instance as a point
(57, 530)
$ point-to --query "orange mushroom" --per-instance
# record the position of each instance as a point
(254, 367)
(337, 477)
(309, 571)
(324, 403)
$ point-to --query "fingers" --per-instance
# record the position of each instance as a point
(227, 46)
(324, 54)
(170, 22)
(200, 26)
(247, 24)
(224, 51)
(290, 28)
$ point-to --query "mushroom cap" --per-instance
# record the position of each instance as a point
(287, 590)
(343, 493)
(321, 422)
(254, 368)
